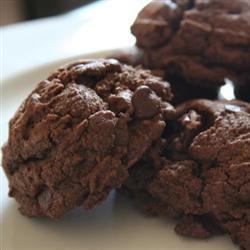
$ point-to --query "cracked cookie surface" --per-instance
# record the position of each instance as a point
(75, 136)
(204, 41)
(199, 171)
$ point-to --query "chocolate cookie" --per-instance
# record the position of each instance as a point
(199, 171)
(75, 136)
(203, 41)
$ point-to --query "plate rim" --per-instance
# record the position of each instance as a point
(62, 61)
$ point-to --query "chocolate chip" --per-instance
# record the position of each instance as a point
(145, 102)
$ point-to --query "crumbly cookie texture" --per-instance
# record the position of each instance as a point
(203, 41)
(75, 136)
(199, 171)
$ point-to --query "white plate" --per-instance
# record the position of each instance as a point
(116, 225)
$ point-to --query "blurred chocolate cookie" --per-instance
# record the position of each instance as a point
(202, 41)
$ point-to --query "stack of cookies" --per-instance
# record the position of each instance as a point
(149, 123)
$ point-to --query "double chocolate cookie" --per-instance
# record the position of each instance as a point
(195, 45)
(75, 136)
(199, 171)
(204, 42)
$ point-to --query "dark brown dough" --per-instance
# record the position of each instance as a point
(203, 41)
(75, 136)
(199, 171)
